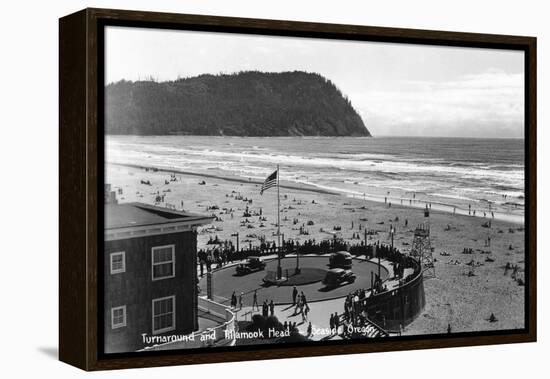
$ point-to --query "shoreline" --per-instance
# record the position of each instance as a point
(306, 187)
(301, 187)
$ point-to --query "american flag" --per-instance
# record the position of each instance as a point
(271, 181)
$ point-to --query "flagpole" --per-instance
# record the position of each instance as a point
(279, 269)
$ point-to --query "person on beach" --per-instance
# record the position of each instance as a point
(331, 323)
(515, 272)
(294, 294)
(309, 329)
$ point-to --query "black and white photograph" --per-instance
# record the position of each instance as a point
(283, 190)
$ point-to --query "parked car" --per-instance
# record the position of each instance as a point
(252, 264)
(336, 276)
(341, 259)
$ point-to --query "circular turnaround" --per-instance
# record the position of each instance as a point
(306, 275)
(309, 281)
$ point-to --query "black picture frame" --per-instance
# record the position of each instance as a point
(81, 40)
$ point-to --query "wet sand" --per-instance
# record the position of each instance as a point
(465, 302)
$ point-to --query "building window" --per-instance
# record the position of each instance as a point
(163, 262)
(164, 314)
(118, 262)
(118, 317)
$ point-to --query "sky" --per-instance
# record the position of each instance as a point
(397, 89)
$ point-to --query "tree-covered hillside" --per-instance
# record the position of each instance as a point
(243, 104)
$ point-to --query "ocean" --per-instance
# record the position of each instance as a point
(450, 174)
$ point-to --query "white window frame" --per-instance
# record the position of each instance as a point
(153, 264)
(170, 328)
(123, 269)
(120, 325)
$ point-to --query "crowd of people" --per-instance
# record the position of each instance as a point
(299, 302)
(225, 252)
(354, 312)
(268, 307)
(355, 304)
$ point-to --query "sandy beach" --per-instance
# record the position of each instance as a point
(453, 297)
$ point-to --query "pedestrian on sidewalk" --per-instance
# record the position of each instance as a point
(304, 313)
(272, 308)
(298, 304)
(255, 301)
(233, 300)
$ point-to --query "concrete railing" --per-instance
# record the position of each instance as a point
(218, 333)
(408, 297)
(215, 336)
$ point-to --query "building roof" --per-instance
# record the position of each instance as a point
(127, 215)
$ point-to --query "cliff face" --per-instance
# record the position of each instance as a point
(244, 104)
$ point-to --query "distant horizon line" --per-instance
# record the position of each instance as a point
(456, 137)
(374, 137)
